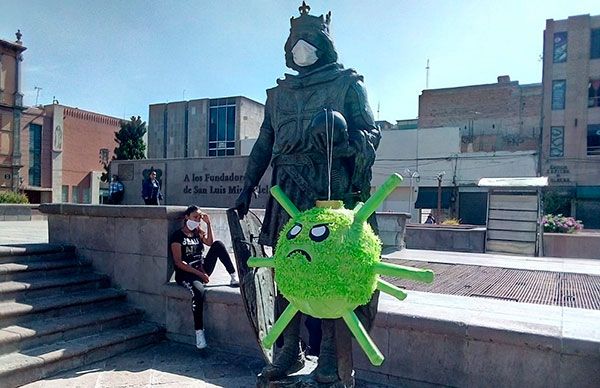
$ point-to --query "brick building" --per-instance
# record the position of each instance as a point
(503, 116)
(61, 149)
(203, 127)
(571, 115)
(11, 106)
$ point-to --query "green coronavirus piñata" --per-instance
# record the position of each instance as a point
(327, 262)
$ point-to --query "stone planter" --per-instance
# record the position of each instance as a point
(458, 238)
(585, 245)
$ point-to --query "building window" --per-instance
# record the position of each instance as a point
(558, 94)
(560, 47)
(104, 153)
(593, 139)
(595, 44)
(75, 194)
(221, 128)
(35, 153)
(86, 195)
(65, 193)
(594, 93)
(557, 142)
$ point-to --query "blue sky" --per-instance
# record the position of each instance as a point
(118, 56)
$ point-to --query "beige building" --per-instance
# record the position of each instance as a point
(203, 127)
(11, 107)
(571, 115)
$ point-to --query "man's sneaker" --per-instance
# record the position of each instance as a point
(200, 340)
(234, 281)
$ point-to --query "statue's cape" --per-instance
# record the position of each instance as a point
(323, 74)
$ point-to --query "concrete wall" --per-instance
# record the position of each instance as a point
(581, 245)
(15, 212)
(440, 238)
(206, 182)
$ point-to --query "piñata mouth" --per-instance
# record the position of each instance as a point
(302, 252)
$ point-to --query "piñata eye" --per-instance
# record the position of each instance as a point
(319, 233)
(296, 229)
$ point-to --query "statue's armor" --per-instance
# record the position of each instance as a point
(299, 165)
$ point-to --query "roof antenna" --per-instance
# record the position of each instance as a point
(427, 75)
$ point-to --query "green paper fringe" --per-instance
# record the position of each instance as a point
(341, 266)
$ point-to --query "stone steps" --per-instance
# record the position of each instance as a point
(57, 314)
(22, 268)
(29, 365)
(55, 284)
(42, 331)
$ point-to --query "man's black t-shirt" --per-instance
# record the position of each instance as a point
(191, 247)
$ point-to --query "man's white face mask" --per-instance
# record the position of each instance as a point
(304, 53)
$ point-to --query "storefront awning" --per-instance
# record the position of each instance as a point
(428, 197)
(588, 192)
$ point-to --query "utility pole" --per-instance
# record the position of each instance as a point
(37, 94)
(439, 198)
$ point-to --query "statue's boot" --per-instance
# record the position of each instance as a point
(326, 371)
(289, 359)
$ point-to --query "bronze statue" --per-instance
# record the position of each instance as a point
(320, 137)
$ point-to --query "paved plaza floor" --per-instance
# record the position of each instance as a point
(20, 232)
(168, 364)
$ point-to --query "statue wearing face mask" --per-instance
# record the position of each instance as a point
(293, 140)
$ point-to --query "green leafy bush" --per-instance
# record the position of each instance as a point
(561, 224)
(12, 197)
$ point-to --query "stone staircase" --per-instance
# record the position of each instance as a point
(57, 314)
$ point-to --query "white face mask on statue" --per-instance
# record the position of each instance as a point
(304, 53)
(191, 224)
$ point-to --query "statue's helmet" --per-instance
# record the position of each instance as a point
(315, 31)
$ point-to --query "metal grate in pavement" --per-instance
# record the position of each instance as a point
(540, 287)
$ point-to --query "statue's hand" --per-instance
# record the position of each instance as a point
(242, 203)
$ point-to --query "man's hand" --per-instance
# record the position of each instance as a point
(203, 277)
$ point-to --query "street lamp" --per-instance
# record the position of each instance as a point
(440, 176)
(412, 175)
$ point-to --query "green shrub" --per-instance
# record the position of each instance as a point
(12, 197)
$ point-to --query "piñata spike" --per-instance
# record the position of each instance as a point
(377, 199)
(399, 271)
(363, 338)
(279, 325)
(284, 201)
(390, 289)
(260, 262)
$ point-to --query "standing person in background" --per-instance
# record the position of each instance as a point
(115, 190)
(151, 190)
(430, 219)
(192, 268)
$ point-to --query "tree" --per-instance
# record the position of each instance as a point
(131, 140)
